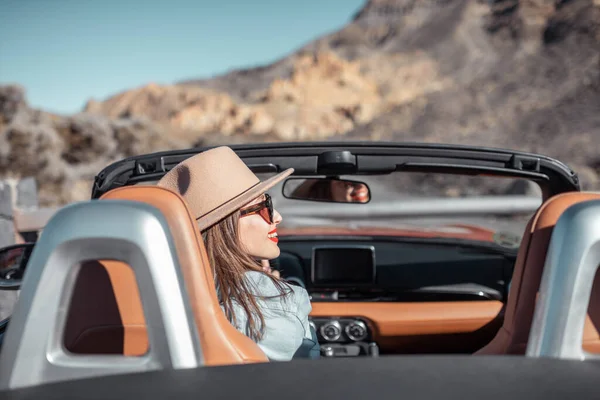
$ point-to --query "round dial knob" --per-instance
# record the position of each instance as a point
(331, 331)
(356, 330)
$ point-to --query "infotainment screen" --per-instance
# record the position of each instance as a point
(343, 266)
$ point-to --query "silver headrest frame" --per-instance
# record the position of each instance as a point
(132, 232)
(571, 263)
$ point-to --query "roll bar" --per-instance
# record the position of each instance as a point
(134, 233)
(571, 263)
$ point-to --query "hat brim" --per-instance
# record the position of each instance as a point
(224, 210)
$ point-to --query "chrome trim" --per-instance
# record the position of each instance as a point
(572, 260)
(334, 324)
(359, 324)
(132, 232)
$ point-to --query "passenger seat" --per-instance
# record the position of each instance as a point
(513, 335)
(106, 314)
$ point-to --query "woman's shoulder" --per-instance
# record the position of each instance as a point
(263, 286)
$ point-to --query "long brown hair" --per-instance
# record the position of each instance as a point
(230, 262)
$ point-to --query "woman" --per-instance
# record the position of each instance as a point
(239, 228)
(335, 190)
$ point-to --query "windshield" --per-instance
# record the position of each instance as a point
(440, 203)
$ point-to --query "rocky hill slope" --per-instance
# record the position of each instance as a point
(65, 153)
(522, 74)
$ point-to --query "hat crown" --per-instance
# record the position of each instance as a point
(210, 179)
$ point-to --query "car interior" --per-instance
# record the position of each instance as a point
(468, 297)
(106, 315)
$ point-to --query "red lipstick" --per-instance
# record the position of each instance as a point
(273, 236)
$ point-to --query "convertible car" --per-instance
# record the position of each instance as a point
(485, 259)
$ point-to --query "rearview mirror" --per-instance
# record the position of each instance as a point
(13, 260)
(327, 189)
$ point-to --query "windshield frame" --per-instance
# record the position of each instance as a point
(356, 158)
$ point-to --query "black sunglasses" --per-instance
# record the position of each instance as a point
(264, 209)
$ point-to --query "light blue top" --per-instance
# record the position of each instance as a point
(286, 317)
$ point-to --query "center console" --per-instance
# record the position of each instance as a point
(341, 268)
(344, 337)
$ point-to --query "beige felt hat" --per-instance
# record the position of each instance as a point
(216, 183)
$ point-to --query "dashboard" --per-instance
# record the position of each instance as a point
(399, 295)
(395, 270)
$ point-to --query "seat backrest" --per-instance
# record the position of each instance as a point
(106, 314)
(106, 294)
(513, 335)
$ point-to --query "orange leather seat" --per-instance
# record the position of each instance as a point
(513, 335)
(106, 314)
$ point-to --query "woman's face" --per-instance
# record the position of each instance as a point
(349, 192)
(257, 236)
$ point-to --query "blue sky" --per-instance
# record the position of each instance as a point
(65, 52)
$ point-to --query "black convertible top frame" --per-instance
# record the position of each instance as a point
(360, 158)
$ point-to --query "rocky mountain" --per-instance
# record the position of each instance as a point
(65, 153)
(522, 74)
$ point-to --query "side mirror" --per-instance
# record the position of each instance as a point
(327, 190)
(13, 260)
